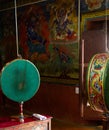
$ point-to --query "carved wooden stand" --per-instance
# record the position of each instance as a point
(105, 121)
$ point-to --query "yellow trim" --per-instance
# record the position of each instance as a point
(92, 15)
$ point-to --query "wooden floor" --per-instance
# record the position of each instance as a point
(60, 125)
(57, 124)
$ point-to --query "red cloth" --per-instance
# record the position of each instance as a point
(7, 121)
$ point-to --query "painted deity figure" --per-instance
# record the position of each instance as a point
(62, 24)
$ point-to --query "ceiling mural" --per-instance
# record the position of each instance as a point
(93, 5)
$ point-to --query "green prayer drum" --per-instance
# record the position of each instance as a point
(20, 80)
(98, 82)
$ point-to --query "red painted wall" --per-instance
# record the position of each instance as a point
(57, 100)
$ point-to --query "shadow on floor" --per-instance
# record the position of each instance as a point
(61, 125)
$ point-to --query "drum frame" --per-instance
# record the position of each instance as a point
(95, 82)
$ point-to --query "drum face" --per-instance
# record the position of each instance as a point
(20, 80)
(98, 82)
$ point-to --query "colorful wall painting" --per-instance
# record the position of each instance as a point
(56, 59)
(63, 21)
(93, 5)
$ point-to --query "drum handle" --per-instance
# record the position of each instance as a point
(21, 118)
(17, 44)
